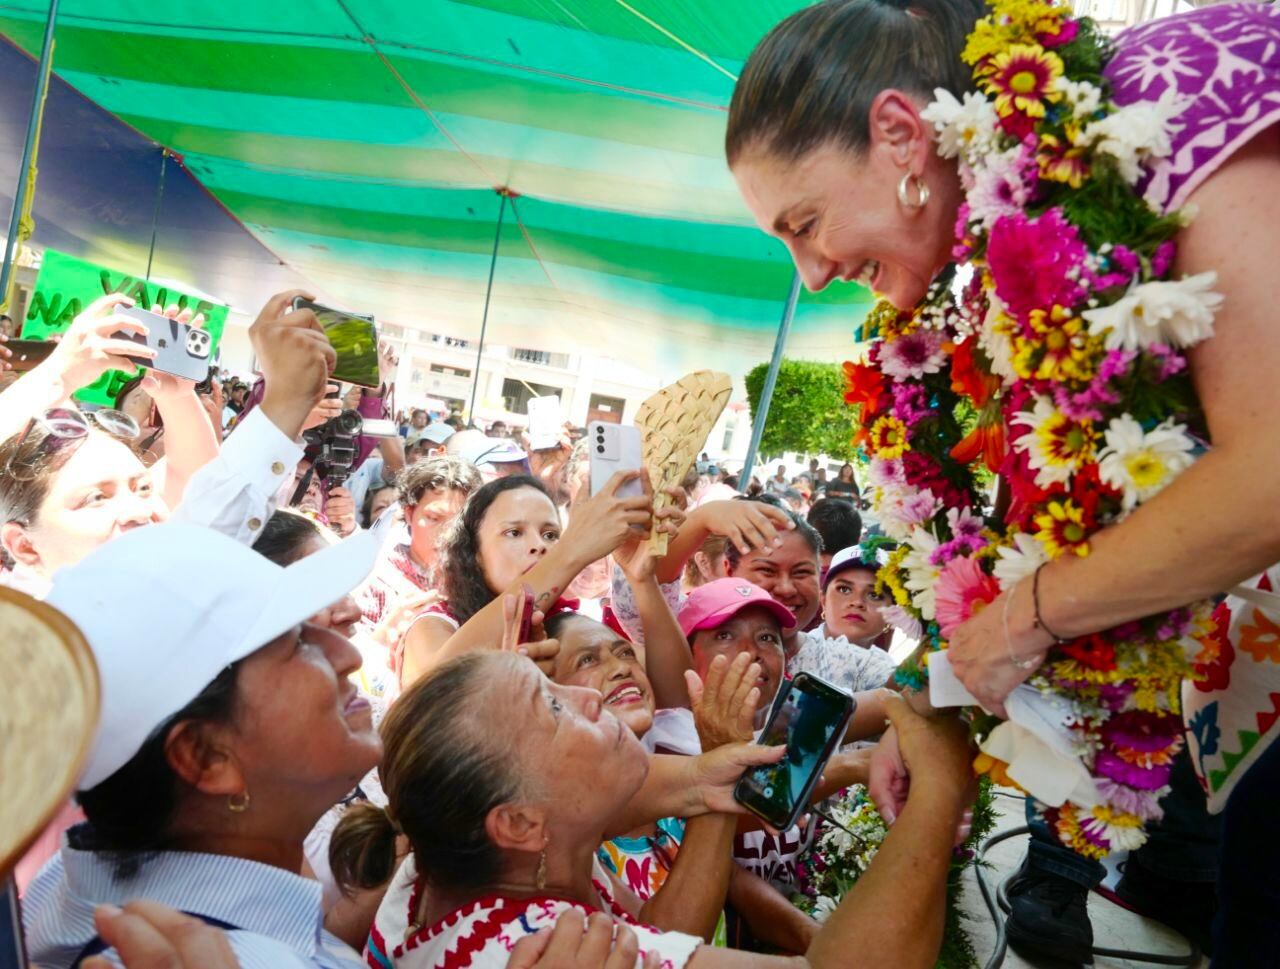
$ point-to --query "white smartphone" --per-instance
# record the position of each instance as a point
(614, 448)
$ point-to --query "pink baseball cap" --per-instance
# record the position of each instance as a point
(717, 602)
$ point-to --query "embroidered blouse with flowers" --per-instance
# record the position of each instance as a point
(481, 934)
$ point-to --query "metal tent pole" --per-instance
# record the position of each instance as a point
(155, 213)
(484, 320)
(770, 380)
(28, 149)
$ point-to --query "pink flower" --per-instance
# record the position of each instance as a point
(911, 356)
(962, 590)
(1004, 186)
(1144, 804)
(1036, 263)
(1067, 31)
(1141, 778)
(909, 403)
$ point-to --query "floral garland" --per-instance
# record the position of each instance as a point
(840, 855)
(1060, 366)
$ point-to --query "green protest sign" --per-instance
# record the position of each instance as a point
(67, 285)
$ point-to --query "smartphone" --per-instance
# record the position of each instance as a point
(810, 716)
(353, 338)
(526, 617)
(28, 354)
(181, 349)
(614, 448)
(13, 952)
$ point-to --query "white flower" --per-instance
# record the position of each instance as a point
(1139, 463)
(995, 343)
(1019, 562)
(1136, 133)
(1084, 98)
(1176, 312)
(922, 574)
(969, 127)
(902, 508)
(1056, 446)
(912, 355)
(823, 907)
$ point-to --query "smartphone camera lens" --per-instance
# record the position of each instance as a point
(600, 449)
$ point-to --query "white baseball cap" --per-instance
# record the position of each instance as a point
(166, 608)
(482, 451)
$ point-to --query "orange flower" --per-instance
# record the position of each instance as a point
(1261, 638)
(967, 376)
(864, 386)
(986, 439)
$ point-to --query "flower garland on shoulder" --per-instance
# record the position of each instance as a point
(1060, 365)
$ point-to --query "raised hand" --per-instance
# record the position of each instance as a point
(162, 385)
(606, 520)
(724, 707)
(531, 641)
(296, 360)
(90, 346)
(748, 524)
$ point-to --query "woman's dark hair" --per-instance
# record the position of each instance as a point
(814, 76)
(442, 471)
(285, 535)
(464, 582)
(837, 521)
(131, 812)
(366, 507)
(443, 772)
(802, 528)
(840, 474)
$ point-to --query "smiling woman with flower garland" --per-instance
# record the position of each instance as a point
(1111, 202)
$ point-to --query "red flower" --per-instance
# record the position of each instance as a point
(1065, 33)
(864, 387)
(1093, 652)
(1216, 675)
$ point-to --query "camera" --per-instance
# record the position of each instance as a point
(335, 444)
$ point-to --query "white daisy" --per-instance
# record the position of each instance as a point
(1084, 98)
(1019, 562)
(1136, 133)
(922, 575)
(1056, 446)
(1176, 312)
(994, 340)
(1140, 464)
(969, 127)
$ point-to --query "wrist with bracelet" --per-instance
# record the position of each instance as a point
(1033, 660)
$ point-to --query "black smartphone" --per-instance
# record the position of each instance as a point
(28, 354)
(353, 338)
(810, 716)
(13, 953)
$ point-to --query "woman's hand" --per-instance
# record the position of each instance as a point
(713, 775)
(388, 363)
(164, 387)
(532, 642)
(606, 520)
(914, 751)
(581, 943)
(748, 524)
(724, 707)
(147, 935)
(634, 556)
(982, 651)
(340, 509)
(90, 347)
(326, 410)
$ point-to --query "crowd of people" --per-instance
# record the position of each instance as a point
(427, 700)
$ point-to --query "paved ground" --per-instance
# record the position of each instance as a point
(1113, 926)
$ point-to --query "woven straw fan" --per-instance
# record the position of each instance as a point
(676, 422)
(48, 712)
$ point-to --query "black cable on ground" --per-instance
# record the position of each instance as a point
(998, 905)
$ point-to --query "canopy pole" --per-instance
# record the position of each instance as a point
(484, 320)
(155, 213)
(25, 174)
(770, 380)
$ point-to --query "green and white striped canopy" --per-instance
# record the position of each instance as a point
(362, 141)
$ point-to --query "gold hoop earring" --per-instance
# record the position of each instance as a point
(540, 880)
(904, 192)
(238, 806)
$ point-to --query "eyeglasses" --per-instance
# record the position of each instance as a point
(66, 425)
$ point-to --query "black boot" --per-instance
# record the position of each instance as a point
(1186, 907)
(1049, 921)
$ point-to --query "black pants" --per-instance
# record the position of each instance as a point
(1247, 930)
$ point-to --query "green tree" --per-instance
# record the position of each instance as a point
(808, 413)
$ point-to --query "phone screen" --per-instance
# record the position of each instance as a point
(27, 354)
(354, 339)
(810, 717)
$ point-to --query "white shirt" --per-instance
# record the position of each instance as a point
(277, 913)
(842, 663)
(236, 492)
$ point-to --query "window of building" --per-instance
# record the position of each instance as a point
(607, 409)
(516, 394)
